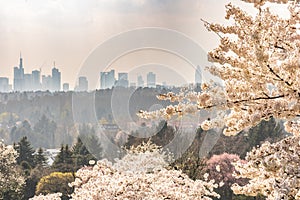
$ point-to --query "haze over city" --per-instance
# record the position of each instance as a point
(68, 31)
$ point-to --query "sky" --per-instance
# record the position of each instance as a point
(69, 31)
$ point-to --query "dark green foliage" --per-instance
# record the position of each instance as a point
(70, 160)
(163, 136)
(63, 161)
(244, 142)
(25, 154)
(81, 154)
(91, 142)
(31, 182)
(39, 158)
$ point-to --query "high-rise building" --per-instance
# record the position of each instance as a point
(56, 79)
(82, 84)
(19, 76)
(107, 79)
(122, 80)
(151, 80)
(46, 82)
(198, 75)
(66, 87)
(4, 85)
(140, 81)
(132, 85)
(36, 80)
(27, 82)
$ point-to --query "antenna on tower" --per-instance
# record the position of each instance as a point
(54, 63)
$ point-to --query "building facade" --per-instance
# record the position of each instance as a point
(151, 80)
(107, 79)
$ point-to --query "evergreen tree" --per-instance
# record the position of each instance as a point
(81, 154)
(39, 158)
(64, 161)
(93, 144)
(25, 152)
(90, 140)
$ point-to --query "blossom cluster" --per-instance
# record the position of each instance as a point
(221, 169)
(141, 174)
(273, 170)
(54, 196)
(11, 179)
(258, 61)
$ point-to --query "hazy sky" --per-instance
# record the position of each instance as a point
(67, 31)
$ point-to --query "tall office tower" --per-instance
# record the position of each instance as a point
(151, 80)
(122, 80)
(36, 80)
(198, 75)
(27, 82)
(66, 87)
(82, 84)
(107, 79)
(132, 85)
(46, 82)
(4, 85)
(19, 76)
(56, 79)
(140, 81)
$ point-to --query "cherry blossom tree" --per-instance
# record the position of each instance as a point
(221, 169)
(273, 170)
(258, 62)
(141, 174)
(54, 196)
(11, 178)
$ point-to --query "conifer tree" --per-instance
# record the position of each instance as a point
(64, 161)
(25, 152)
(40, 158)
(81, 154)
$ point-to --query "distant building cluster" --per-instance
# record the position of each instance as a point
(108, 80)
(34, 81)
(83, 84)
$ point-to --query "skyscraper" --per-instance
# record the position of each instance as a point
(56, 79)
(19, 76)
(151, 80)
(36, 80)
(4, 85)
(82, 84)
(107, 79)
(140, 81)
(66, 87)
(27, 82)
(198, 75)
(122, 80)
(46, 82)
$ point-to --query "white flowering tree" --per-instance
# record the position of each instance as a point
(11, 179)
(258, 61)
(141, 174)
(273, 170)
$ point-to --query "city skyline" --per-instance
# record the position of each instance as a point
(36, 81)
(68, 32)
